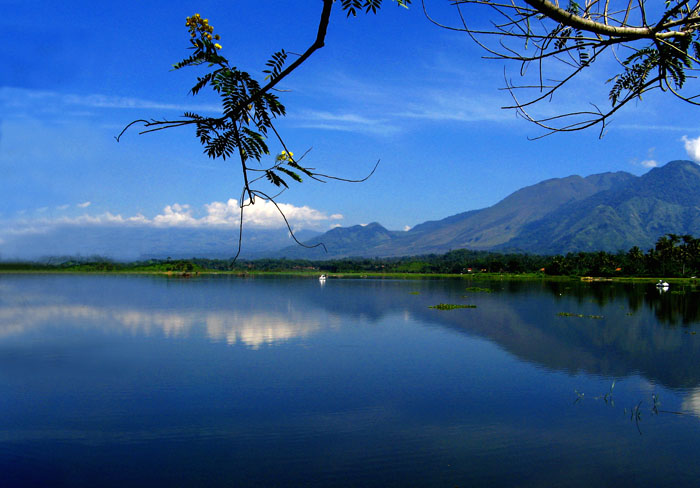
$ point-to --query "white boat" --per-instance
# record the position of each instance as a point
(662, 285)
(322, 278)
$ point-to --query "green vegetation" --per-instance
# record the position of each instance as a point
(102, 265)
(450, 306)
(476, 289)
(672, 257)
(579, 315)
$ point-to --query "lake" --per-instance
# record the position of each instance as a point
(129, 380)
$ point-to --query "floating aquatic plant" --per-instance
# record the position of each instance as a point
(579, 315)
(450, 306)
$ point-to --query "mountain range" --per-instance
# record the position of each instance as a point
(129, 243)
(608, 212)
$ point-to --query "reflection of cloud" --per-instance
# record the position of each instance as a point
(256, 329)
(16, 320)
(692, 402)
(252, 329)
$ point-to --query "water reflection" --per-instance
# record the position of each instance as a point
(637, 331)
(691, 402)
(148, 381)
(252, 329)
(675, 306)
(24, 313)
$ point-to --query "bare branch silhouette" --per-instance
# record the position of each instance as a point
(655, 46)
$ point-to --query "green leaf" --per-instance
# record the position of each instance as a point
(291, 173)
(275, 179)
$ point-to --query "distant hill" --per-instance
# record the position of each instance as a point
(609, 211)
(142, 242)
(637, 213)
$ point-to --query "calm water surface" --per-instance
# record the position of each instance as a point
(224, 381)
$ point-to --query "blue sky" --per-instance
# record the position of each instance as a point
(392, 87)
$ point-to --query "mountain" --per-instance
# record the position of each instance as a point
(142, 242)
(666, 199)
(344, 240)
(609, 211)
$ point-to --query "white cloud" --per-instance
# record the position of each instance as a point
(104, 101)
(84, 204)
(62, 207)
(439, 106)
(18, 99)
(434, 101)
(346, 117)
(348, 122)
(649, 163)
(175, 215)
(263, 214)
(692, 147)
(651, 127)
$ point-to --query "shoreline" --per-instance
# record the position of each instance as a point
(357, 275)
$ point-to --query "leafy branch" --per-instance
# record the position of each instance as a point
(249, 109)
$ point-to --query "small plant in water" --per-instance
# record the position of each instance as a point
(450, 306)
(608, 397)
(634, 412)
(579, 315)
(636, 415)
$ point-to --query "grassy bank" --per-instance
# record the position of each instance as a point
(23, 268)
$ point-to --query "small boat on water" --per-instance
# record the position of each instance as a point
(322, 278)
(662, 285)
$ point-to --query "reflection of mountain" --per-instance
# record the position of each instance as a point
(521, 317)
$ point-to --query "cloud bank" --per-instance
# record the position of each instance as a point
(262, 215)
(692, 147)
